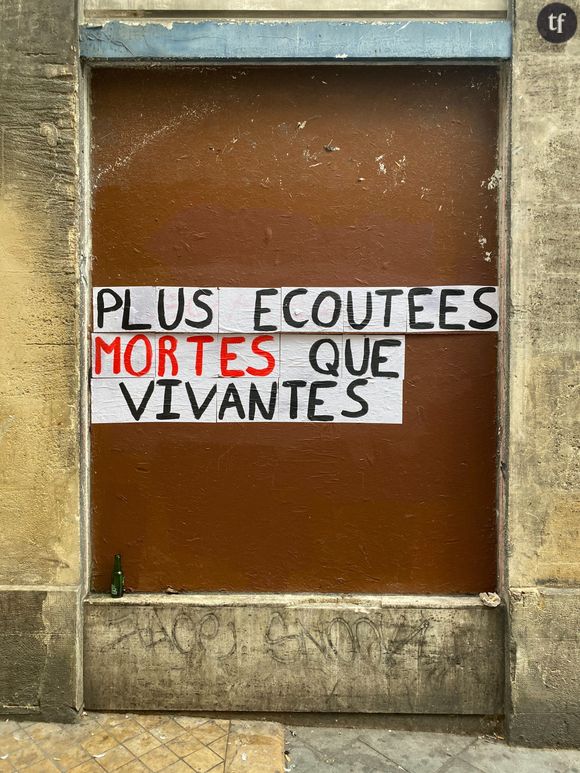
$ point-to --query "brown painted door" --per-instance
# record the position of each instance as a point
(303, 176)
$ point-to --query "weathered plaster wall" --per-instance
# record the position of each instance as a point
(543, 524)
(39, 383)
(277, 652)
(39, 359)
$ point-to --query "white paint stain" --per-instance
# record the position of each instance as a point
(486, 253)
(196, 114)
(493, 181)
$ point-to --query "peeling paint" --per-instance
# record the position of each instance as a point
(260, 38)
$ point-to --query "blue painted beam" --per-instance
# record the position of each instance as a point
(296, 40)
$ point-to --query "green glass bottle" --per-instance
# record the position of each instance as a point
(117, 578)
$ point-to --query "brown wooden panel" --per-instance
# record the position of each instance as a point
(226, 176)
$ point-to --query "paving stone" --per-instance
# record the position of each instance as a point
(209, 732)
(178, 767)
(203, 760)
(115, 758)
(493, 757)
(190, 722)
(69, 756)
(457, 765)
(329, 740)
(220, 746)
(141, 743)
(167, 730)
(8, 726)
(134, 767)
(127, 728)
(255, 747)
(44, 766)
(424, 752)
(356, 758)
(98, 742)
(318, 750)
(26, 755)
(185, 744)
(159, 759)
(88, 767)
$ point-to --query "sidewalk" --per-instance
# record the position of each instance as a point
(142, 743)
(166, 743)
(321, 750)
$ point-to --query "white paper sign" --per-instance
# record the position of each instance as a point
(311, 354)
(452, 309)
(312, 309)
(187, 309)
(123, 355)
(363, 400)
(249, 309)
(313, 357)
(376, 310)
(342, 400)
(430, 309)
(129, 309)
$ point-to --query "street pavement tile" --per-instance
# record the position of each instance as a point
(209, 732)
(190, 722)
(28, 754)
(326, 739)
(220, 746)
(44, 766)
(11, 742)
(167, 730)
(493, 757)
(255, 747)
(134, 767)
(67, 756)
(358, 758)
(159, 759)
(203, 760)
(9, 726)
(134, 743)
(141, 744)
(115, 758)
(178, 767)
(53, 743)
(150, 720)
(458, 765)
(126, 729)
(185, 744)
(223, 723)
(88, 767)
(41, 731)
(82, 730)
(98, 742)
(414, 751)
